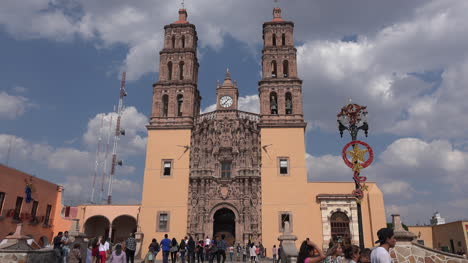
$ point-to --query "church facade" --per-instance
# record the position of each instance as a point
(239, 173)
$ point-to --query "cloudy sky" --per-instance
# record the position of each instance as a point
(406, 60)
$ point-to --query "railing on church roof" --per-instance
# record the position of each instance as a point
(240, 114)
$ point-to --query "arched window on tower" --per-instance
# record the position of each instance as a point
(165, 105)
(169, 70)
(183, 41)
(274, 69)
(173, 41)
(339, 223)
(273, 103)
(181, 70)
(180, 102)
(273, 40)
(289, 104)
(283, 39)
(285, 69)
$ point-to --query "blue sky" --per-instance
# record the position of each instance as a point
(407, 62)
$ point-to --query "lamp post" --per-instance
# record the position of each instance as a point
(353, 118)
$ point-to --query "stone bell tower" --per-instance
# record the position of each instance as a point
(176, 99)
(280, 89)
(283, 169)
(176, 103)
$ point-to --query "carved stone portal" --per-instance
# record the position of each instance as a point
(225, 186)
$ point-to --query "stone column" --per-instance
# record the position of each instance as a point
(401, 235)
(288, 245)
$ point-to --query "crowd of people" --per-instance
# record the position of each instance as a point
(309, 252)
(188, 250)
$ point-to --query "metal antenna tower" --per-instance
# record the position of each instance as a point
(118, 132)
(106, 157)
(96, 165)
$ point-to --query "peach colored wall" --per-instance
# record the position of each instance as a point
(108, 211)
(285, 193)
(165, 193)
(423, 233)
(12, 182)
(455, 231)
(293, 193)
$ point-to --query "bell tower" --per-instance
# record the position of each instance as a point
(176, 99)
(227, 94)
(176, 103)
(280, 89)
(282, 128)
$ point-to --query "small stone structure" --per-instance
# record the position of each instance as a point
(409, 251)
(17, 250)
(288, 245)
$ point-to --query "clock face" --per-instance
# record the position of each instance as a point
(225, 101)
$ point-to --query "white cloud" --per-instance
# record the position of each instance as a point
(133, 122)
(398, 188)
(327, 168)
(412, 173)
(12, 106)
(377, 71)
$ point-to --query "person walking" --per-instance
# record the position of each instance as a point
(274, 253)
(387, 240)
(253, 253)
(231, 252)
(153, 250)
(166, 248)
(75, 254)
(130, 247)
(118, 256)
(262, 250)
(222, 246)
(199, 251)
(191, 250)
(183, 249)
(65, 246)
(280, 251)
(58, 247)
(238, 252)
(245, 252)
(103, 250)
(174, 248)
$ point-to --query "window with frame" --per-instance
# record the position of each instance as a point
(163, 222)
(19, 204)
(283, 218)
(339, 224)
(167, 167)
(47, 215)
(283, 166)
(2, 198)
(34, 208)
(226, 170)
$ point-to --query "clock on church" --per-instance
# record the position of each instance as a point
(225, 101)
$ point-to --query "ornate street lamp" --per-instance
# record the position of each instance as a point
(353, 118)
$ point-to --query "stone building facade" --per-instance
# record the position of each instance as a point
(239, 173)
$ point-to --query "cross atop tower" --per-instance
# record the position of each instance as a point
(183, 2)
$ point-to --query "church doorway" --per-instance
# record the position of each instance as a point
(224, 222)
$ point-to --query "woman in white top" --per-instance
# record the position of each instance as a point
(253, 252)
(103, 250)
